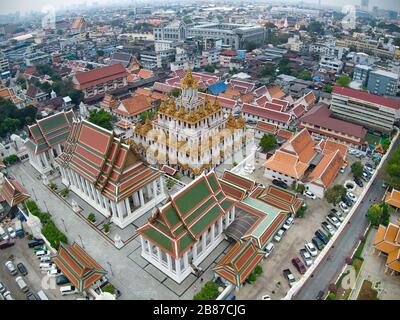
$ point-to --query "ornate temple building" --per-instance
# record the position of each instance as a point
(104, 171)
(47, 139)
(189, 133)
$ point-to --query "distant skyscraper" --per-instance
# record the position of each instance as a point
(364, 5)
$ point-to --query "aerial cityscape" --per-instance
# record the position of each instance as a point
(200, 150)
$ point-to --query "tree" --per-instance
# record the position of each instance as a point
(316, 27)
(392, 169)
(304, 75)
(102, 118)
(209, 68)
(375, 214)
(208, 292)
(357, 169)
(335, 194)
(268, 142)
(176, 92)
(187, 20)
(267, 70)
(343, 80)
(327, 88)
(100, 53)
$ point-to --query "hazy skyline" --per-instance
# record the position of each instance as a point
(26, 5)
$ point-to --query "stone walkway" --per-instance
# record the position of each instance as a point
(127, 270)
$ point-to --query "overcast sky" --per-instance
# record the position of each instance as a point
(37, 5)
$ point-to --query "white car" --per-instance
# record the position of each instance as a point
(286, 226)
(306, 257)
(11, 268)
(342, 169)
(311, 249)
(328, 228)
(352, 196)
(7, 295)
(352, 151)
(11, 232)
(278, 236)
(343, 207)
(310, 195)
(290, 220)
(334, 221)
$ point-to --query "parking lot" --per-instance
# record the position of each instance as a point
(35, 279)
(272, 282)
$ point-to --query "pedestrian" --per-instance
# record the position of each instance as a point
(201, 279)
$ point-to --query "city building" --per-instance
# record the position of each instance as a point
(361, 73)
(304, 160)
(4, 64)
(190, 134)
(327, 64)
(47, 139)
(36, 58)
(130, 109)
(235, 36)
(368, 110)
(96, 83)
(320, 123)
(383, 83)
(106, 173)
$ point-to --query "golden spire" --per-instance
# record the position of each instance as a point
(189, 81)
(163, 106)
(171, 107)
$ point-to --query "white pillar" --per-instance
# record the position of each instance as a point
(169, 261)
(154, 189)
(162, 184)
(149, 248)
(120, 209)
(185, 260)
(128, 206)
(204, 239)
(113, 209)
(213, 233)
(221, 225)
(178, 266)
(142, 243)
(194, 251)
(136, 200)
(141, 197)
(148, 187)
(159, 255)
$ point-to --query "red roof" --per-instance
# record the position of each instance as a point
(266, 113)
(320, 115)
(231, 53)
(361, 95)
(100, 75)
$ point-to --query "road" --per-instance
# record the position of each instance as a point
(328, 271)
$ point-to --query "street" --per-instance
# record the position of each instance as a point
(329, 270)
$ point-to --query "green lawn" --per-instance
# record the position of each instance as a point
(372, 139)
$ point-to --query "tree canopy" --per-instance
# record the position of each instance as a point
(335, 194)
(344, 80)
(392, 169)
(378, 214)
(13, 119)
(268, 142)
(357, 169)
(209, 68)
(102, 118)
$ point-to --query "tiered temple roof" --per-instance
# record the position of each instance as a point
(181, 222)
(50, 131)
(13, 192)
(81, 269)
(105, 161)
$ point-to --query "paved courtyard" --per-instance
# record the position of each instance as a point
(127, 270)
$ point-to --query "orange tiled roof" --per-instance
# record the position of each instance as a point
(387, 241)
(327, 169)
(144, 73)
(301, 145)
(284, 134)
(393, 198)
(133, 105)
(276, 93)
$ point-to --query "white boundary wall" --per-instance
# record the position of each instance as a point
(298, 285)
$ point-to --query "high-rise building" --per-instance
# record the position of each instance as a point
(4, 64)
(383, 83)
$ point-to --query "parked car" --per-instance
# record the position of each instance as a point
(347, 201)
(352, 196)
(7, 295)
(280, 184)
(60, 280)
(45, 266)
(333, 220)
(318, 243)
(369, 170)
(290, 220)
(2, 287)
(358, 182)
(35, 242)
(299, 265)
(6, 243)
(286, 226)
(10, 266)
(66, 290)
(312, 250)
(22, 269)
(3, 234)
(268, 249)
(40, 247)
(337, 214)
(343, 207)
(306, 257)
(342, 169)
(310, 195)
(365, 177)
(42, 253)
(45, 259)
(11, 232)
(41, 295)
(322, 236)
(21, 284)
(328, 228)
(54, 272)
(31, 296)
(278, 236)
(289, 276)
